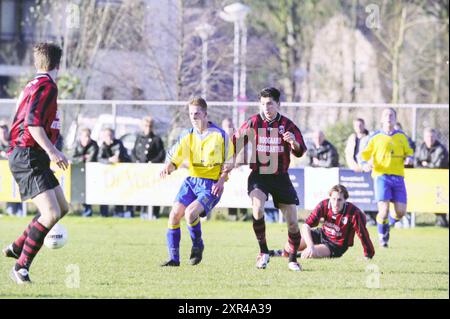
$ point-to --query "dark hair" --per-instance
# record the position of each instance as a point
(199, 101)
(47, 56)
(340, 189)
(360, 120)
(270, 92)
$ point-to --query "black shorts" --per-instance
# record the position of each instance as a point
(279, 186)
(31, 170)
(319, 238)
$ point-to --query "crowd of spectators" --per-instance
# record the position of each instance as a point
(149, 148)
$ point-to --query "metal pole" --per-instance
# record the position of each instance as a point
(114, 114)
(204, 66)
(243, 79)
(236, 72)
(414, 124)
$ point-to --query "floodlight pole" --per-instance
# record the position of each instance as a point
(236, 13)
(205, 30)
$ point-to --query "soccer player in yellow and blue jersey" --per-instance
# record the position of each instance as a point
(209, 151)
(385, 154)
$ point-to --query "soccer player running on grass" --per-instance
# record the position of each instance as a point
(386, 153)
(34, 133)
(207, 148)
(274, 138)
(341, 220)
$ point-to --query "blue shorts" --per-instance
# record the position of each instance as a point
(390, 188)
(196, 188)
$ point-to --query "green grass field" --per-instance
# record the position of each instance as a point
(119, 258)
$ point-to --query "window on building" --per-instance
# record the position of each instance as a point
(8, 23)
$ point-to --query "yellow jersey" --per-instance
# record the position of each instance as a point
(388, 152)
(205, 152)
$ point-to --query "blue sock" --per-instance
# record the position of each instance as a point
(173, 242)
(195, 230)
(393, 220)
(383, 229)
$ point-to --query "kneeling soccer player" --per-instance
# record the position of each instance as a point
(341, 220)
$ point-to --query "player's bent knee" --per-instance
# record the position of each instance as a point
(190, 215)
(49, 220)
(174, 219)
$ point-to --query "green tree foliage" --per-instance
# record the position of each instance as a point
(337, 135)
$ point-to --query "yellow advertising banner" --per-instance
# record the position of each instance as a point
(427, 190)
(9, 190)
(131, 184)
(140, 184)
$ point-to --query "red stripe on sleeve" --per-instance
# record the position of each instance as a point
(363, 234)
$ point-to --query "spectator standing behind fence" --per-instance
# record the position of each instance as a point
(112, 151)
(322, 153)
(355, 143)
(432, 154)
(86, 150)
(11, 208)
(148, 148)
(4, 140)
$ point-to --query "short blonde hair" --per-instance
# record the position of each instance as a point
(199, 101)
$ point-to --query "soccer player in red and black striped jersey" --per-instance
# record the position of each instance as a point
(274, 138)
(34, 132)
(341, 220)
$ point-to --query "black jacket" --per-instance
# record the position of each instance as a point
(148, 149)
(3, 150)
(107, 151)
(436, 156)
(90, 150)
(325, 153)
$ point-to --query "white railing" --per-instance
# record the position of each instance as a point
(237, 104)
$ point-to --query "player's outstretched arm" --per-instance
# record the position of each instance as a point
(359, 224)
(39, 135)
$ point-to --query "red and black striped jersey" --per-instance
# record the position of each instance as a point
(340, 228)
(36, 107)
(270, 153)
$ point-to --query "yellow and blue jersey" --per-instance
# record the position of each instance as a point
(205, 152)
(388, 152)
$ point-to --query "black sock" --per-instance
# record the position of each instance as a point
(259, 227)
